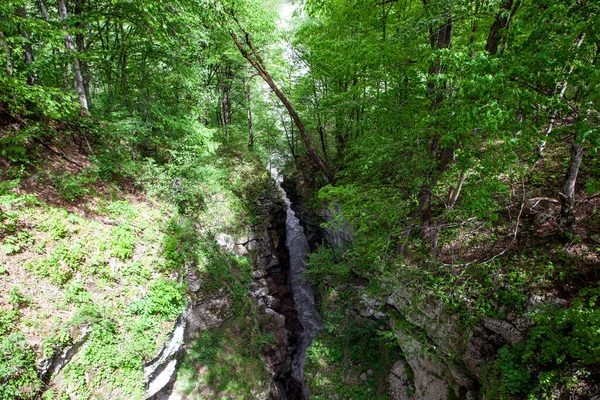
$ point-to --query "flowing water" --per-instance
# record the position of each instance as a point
(304, 301)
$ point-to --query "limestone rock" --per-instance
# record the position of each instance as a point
(505, 329)
(400, 380)
(52, 366)
(258, 288)
(371, 307)
(205, 314)
(225, 241)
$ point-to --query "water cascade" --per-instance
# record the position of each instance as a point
(304, 301)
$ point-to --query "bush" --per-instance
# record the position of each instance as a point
(122, 242)
(563, 345)
(72, 187)
(165, 298)
(18, 376)
(322, 267)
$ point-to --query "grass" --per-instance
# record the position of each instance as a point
(81, 271)
(18, 376)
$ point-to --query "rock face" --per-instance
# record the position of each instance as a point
(273, 294)
(304, 302)
(270, 288)
(440, 361)
(299, 188)
(160, 373)
(56, 363)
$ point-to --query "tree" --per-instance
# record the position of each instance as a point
(242, 39)
(249, 110)
(78, 81)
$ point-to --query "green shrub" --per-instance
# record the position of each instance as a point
(75, 293)
(165, 298)
(64, 262)
(323, 267)
(17, 298)
(16, 243)
(563, 343)
(122, 209)
(72, 187)
(18, 376)
(122, 242)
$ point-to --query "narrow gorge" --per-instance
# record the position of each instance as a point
(285, 300)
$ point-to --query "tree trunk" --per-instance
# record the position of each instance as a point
(77, 77)
(561, 94)
(501, 23)
(567, 196)
(9, 65)
(224, 76)
(249, 109)
(80, 42)
(44, 10)
(439, 39)
(28, 56)
(289, 135)
(322, 137)
(256, 61)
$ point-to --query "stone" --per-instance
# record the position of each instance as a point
(363, 377)
(194, 281)
(205, 314)
(225, 241)
(258, 288)
(400, 382)
(162, 379)
(342, 236)
(505, 329)
(52, 366)
(272, 302)
(259, 273)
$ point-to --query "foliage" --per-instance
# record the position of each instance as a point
(206, 369)
(122, 241)
(560, 350)
(165, 299)
(73, 187)
(323, 268)
(18, 375)
(439, 143)
(15, 243)
(348, 347)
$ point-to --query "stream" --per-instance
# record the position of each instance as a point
(304, 301)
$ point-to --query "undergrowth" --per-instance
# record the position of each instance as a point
(108, 251)
(352, 356)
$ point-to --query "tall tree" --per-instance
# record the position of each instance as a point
(243, 41)
(249, 110)
(28, 49)
(251, 54)
(78, 81)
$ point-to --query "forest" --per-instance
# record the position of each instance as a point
(441, 157)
